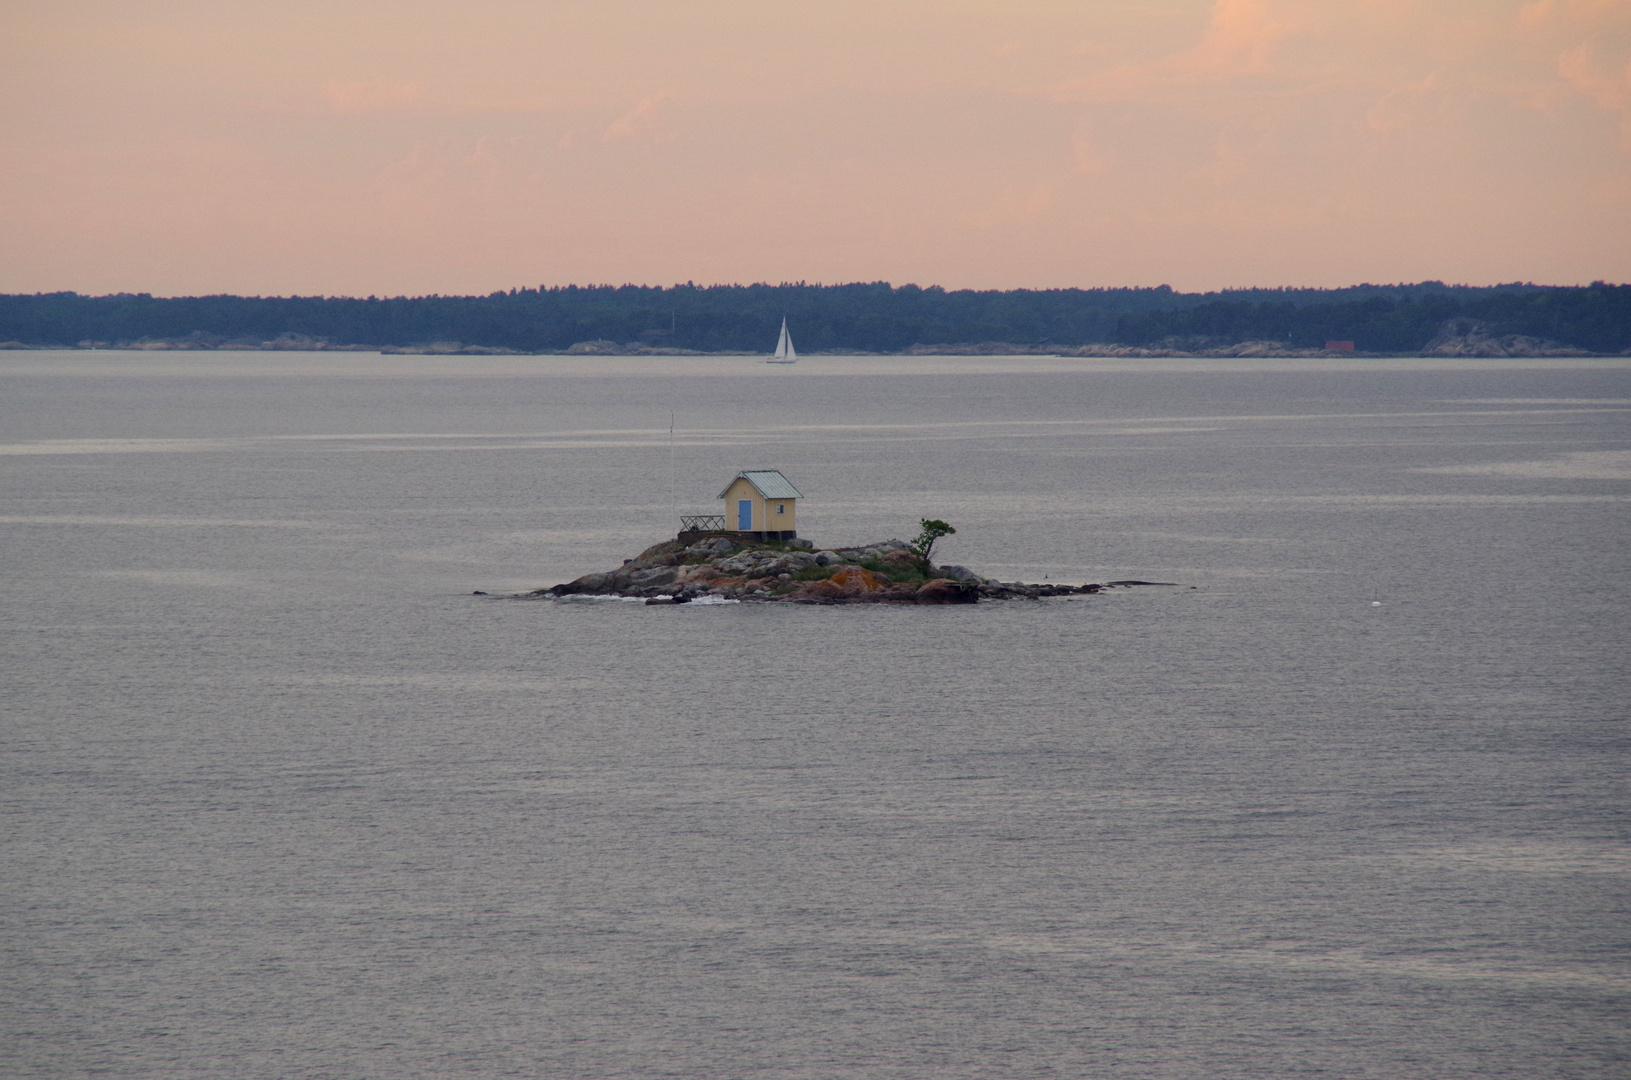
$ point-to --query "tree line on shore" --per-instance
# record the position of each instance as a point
(862, 317)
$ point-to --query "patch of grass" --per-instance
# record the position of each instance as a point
(894, 571)
(907, 573)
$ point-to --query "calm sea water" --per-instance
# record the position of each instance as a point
(283, 800)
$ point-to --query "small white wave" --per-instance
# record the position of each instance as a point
(1577, 465)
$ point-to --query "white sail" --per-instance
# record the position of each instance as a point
(784, 348)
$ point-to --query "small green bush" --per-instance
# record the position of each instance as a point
(893, 571)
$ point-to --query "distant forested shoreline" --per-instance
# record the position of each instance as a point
(1429, 317)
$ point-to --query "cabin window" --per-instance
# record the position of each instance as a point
(781, 508)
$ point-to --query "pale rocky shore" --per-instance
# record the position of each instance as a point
(1458, 337)
(724, 567)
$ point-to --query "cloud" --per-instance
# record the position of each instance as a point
(1587, 71)
(376, 96)
(1025, 204)
(1087, 156)
(1312, 70)
(1577, 13)
(1605, 79)
(446, 173)
(1199, 142)
(637, 122)
(1591, 41)
(385, 96)
(1242, 40)
(1398, 109)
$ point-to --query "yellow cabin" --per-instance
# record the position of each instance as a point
(764, 502)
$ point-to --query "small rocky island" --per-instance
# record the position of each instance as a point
(701, 566)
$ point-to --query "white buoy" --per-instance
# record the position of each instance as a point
(1376, 603)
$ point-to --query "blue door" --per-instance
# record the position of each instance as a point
(744, 514)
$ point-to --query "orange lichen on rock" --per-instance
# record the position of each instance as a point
(848, 583)
(859, 579)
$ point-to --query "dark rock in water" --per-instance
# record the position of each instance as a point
(947, 591)
(478, 592)
(1012, 590)
(590, 585)
(681, 597)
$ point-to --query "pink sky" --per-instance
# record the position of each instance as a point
(409, 146)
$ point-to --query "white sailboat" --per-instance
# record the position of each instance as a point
(784, 348)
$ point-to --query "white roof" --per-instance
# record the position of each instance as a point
(770, 483)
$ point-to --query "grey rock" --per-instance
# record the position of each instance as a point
(587, 585)
(756, 567)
